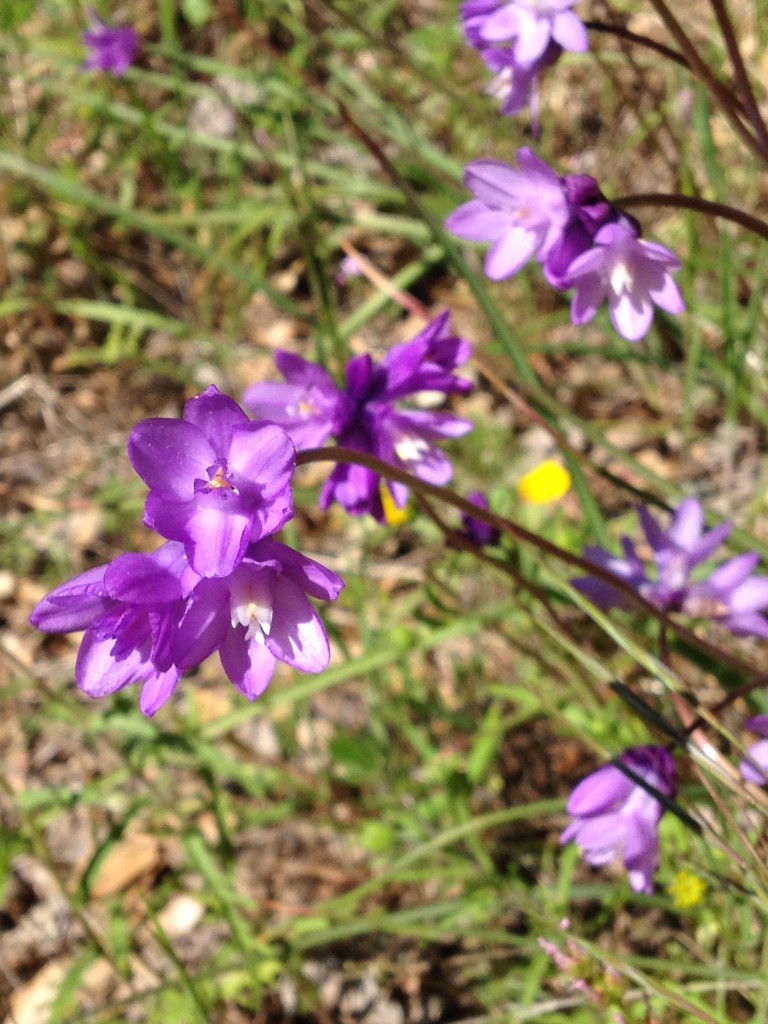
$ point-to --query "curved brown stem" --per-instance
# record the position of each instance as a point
(635, 37)
(724, 97)
(705, 206)
(743, 83)
(522, 535)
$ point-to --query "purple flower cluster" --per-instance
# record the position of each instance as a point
(112, 49)
(731, 594)
(366, 416)
(519, 40)
(614, 818)
(581, 240)
(220, 488)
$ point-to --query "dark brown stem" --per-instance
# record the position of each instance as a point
(705, 206)
(740, 75)
(519, 533)
(456, 539)
(635, 37)
(724, 97)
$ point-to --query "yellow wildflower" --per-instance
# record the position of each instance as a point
(549, 481)
(686, 890)
(393, 515)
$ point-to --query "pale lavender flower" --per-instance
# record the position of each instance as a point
(733, 595)
(522, 211)
(675, 553)
(632, 275)
(308, 406)
(514, 85)
(112, 49)
(754, 767)
(614, 818)
(257, 616)
(364, 416)
(217, 481)
(348, 268)
(129, 610)
(528, 25)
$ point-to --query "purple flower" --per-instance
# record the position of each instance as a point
(615, 818)
(478, 532)
(258, 615)
(514, 84)
(588, 211)
(754, 767)
(731, 594)
(364, 415)
(112, 49)
(529, 25)
(734, 596)
(631, 274)
(522, 212)
(217, 481)
(129, 610)
(308, 406)
(675, 552)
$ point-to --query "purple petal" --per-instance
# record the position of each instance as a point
(587, 299)
(757, 753)
(747, 624)
(157, 689)
(599, 593)
(297, 635)
(511, 252)
(168, 518)
(97, 672)
(272, 517)
(631, 315)
(668, 296)
(599, 792)
(311, 576)
(169, 455)
(73, 605)
(533, 36)
(758, 724)
(217, 533)
(494, 183)
(263, 458)
(641, 852)
(148, 579)
(216, 415)
(710, 541)
(248, 664)
(687, 524)
(570, 32)
(204, 625)
(501, 25)
(601, 839)
(656, 537)
(752, 595)
(475, 221)
(732, 573)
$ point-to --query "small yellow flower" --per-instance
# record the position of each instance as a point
(549, 481)
(393, 515)
(686, 890)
